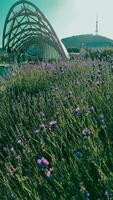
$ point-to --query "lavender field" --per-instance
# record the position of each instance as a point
(56, 132)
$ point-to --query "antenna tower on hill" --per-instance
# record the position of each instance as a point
(97, 25)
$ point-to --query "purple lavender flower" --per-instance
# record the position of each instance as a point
(98, 83)
(70, 94)
(87, 195)
(19, 141)
(42, 163)
(42, 126)
(77, 82)
(108, 194)
(36, 132)
(11, 195)
(42, 114)
(12, 150)
(86, 132)
(92, 109)
(39, 161)
(52, 125)
(99, 71)
(102, 117)
(76, 111)
(78, 153)
(48, 174)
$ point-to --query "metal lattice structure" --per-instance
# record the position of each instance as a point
(26, 29)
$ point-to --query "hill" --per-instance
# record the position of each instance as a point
(87, 41)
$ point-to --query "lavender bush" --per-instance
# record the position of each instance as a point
(56, 133)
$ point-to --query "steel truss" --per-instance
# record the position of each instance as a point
(26, 26)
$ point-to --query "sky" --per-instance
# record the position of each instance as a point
(70, 17)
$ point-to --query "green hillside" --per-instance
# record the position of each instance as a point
(87, 41)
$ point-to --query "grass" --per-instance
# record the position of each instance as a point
(64, 116)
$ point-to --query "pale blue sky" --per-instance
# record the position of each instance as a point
(71, 17)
